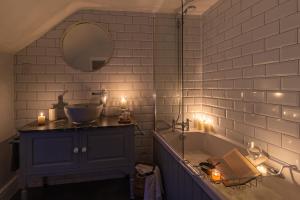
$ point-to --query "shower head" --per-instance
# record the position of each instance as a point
(191, 7)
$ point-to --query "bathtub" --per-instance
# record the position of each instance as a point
(183, 182)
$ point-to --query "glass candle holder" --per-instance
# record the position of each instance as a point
(215, 175)
(41, 119)
(123, 103)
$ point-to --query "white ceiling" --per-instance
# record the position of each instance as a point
(23, 21)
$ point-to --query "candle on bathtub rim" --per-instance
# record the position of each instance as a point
(41, 119)
(207, 125)
(262, 169)
(252, 144)
(215, 175)
(200, 125)
(195, 119)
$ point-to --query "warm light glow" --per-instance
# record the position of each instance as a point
(123, 102)
(104, 99)
(252, 144)
(262, 169)
(278, 94)
(208, 121)
(202, 122)
(216, 175)
(41, 119)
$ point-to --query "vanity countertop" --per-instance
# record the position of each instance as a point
(65, 125)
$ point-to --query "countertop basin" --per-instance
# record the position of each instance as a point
(83, 113)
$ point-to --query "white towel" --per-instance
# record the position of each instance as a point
(153, 186)
(143, 169)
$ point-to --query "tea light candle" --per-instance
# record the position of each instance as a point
(41, 119)
(262, 169)
(215, 175)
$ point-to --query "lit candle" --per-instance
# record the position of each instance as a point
(104, 99)
(195, 119)
(207, 125)
(41, 119)
(200, 125)
(262, 169)
(123, 102)
(215, 175)
(252, 144)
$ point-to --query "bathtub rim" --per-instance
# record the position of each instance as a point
(272, 161)
(204, 184)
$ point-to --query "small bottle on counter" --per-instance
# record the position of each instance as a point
(59, 107)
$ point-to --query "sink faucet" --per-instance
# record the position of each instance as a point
(184, 126)
(103, 96)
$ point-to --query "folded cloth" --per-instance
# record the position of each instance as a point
(153, 186)
(144, 169)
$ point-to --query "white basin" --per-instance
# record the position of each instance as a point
(83, 113)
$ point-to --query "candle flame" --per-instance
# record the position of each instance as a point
(262, 169)
(123, 100)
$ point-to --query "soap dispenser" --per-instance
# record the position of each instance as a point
(59, 107)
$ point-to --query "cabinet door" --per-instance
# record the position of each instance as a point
(108, 147)
(52, 153)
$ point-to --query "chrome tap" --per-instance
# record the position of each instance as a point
(184, 126)
(103, 96)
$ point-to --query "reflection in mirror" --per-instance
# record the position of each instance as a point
(87, 46)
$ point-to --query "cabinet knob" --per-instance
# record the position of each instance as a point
(76, 150)
(83, 149)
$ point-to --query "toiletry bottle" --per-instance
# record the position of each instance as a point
(59, 107)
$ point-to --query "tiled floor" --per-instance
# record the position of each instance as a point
(100, 190)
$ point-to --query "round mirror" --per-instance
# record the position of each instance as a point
(86, 46)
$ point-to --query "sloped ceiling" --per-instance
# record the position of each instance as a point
(23, 21)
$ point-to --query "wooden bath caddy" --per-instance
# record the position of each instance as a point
(235, 168)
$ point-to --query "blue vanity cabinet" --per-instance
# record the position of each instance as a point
(106, 151)
(114, 147)
(49, 152)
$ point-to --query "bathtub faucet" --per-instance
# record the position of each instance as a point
(184, 126)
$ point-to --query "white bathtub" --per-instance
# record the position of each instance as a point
(195, 143)
(197, 147)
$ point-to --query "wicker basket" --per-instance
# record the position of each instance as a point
(139, 183)
(139, 186)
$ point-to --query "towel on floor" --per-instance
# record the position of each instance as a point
(153, 186)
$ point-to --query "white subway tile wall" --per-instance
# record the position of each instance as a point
(261, 99)
(41, 73)
(167, 67)
(241, 67)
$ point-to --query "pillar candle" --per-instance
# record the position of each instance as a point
(200, 125)
(52, 114)
(207, 126)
